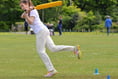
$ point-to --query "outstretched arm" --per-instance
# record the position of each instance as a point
(30, 19)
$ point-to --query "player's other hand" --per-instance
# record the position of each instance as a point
(24, 14)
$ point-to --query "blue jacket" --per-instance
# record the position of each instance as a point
(108, 23)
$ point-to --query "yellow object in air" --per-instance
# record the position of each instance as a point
(48, 5)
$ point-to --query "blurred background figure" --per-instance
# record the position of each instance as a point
(59, 26)
(26, 27)
(108, 24)
(51, 28)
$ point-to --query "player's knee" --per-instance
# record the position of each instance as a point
(53, 49)
(41, 52)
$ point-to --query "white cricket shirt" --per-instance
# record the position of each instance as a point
(37, 25)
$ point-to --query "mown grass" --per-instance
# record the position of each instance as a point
(19, 59)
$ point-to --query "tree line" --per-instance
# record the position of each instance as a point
(79, 15)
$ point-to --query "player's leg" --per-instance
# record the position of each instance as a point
(55, 48)
(60, 31)
(40, 44)
(108, 30)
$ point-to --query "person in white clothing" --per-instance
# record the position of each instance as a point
(43, 38)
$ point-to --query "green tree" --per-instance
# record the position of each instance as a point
(87, 23)
(72, 15)
(9, 13)
(103, 6)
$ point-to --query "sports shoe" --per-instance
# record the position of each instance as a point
(77, 51)
(51, 73)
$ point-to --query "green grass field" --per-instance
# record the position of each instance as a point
(19, 59)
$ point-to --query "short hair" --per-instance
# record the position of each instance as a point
(107, 16)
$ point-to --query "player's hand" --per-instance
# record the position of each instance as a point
(31, 8)
(24, 15)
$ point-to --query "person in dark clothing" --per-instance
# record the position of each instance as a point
(26, 27)
(59, 27)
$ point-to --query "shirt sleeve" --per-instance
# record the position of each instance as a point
(111, 22)
(105, 23)
(33, 13)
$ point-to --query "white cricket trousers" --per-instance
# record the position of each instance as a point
(44, 40)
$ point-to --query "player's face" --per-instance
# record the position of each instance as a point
(24, 6)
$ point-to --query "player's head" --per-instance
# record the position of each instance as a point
(25, 4)
(107, 16)
(60, 17)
